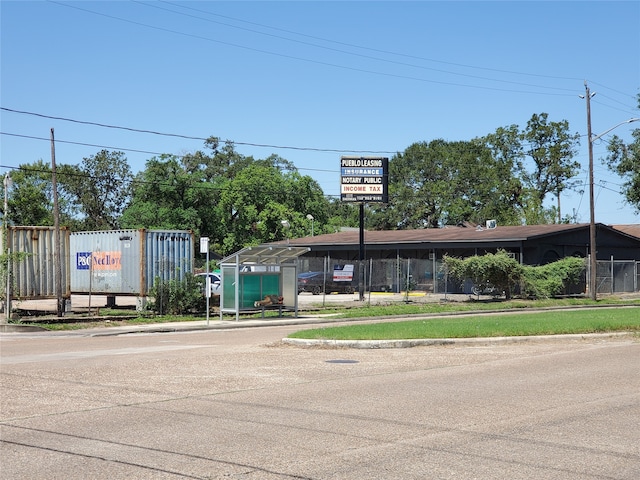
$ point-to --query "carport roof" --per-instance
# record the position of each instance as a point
(265, 255)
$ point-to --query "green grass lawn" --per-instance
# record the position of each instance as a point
(338, 311)
(488, 325)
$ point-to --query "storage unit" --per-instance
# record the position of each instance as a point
(34, 277)
(128, 262)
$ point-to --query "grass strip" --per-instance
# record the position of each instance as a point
(490, 325)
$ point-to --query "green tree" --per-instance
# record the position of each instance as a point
(100, 187)
(551, 148)
(30, 200)
(221, 162)
(540, 158)
(234, 200)
(345, 214)
(446, 183)
(624, 160)
(259, 198)
(166, 196)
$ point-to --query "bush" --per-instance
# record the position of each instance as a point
(175, 297)
(552, 279)
(505, 273)
(499, 269)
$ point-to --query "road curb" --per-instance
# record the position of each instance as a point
(380, 344)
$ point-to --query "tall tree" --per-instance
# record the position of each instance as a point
(222, 160)
(541, 158)
(444, 183)
(167, 196)
(30, 199)
(259, 198)
(234, 200)
(624, 160)
(345, 214)
(101, 187)
(551, 148)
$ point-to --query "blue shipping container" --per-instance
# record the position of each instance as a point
(127, 262)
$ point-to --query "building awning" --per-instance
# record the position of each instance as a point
(265, 255)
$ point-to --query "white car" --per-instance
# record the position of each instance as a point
(215, 285)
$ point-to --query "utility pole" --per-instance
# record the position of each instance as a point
(56, 227)
(7, 249)
(593, 265)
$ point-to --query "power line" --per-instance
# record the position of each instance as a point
(133, 181)
(317, 62)
(604, 140)
(121, 149)
(31, 137)
(386, 52)
(369, 57)
(188, 137)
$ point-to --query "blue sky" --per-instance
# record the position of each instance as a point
(324, 79)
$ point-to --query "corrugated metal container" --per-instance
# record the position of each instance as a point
(127, 262)
(34, 277)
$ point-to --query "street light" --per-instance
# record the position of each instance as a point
(286, 225)
(310, 217)
(593, 265)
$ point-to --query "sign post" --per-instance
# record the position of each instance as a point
(364, 180)
(204, 248)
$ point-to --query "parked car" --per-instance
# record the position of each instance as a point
(315, 282)
(215, 282)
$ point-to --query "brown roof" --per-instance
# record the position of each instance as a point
(449, 234)
(632, 229)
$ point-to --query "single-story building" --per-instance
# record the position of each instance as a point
(530, 245)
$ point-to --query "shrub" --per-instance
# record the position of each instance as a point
(499, 269)
(552, 279)
(175, 297)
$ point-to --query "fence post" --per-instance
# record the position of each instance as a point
(612, 277)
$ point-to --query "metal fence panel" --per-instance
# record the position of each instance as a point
(623, 276)
(430, 276)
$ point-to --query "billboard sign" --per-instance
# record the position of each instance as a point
(364, 179)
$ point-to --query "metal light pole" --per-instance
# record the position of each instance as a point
(286, 225)
(593, 265)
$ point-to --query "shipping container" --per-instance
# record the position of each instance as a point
(34, 276)
(127, 262)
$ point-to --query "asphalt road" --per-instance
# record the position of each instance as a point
(225, 404)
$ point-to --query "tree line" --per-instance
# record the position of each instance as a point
(238, 200)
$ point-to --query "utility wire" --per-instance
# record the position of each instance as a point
(317, 62)
(81, 144)
(120, 149)
(369, 57)
(152, 132)
(386, 52)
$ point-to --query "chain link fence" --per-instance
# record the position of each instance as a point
(617, 276)
(430, 275)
